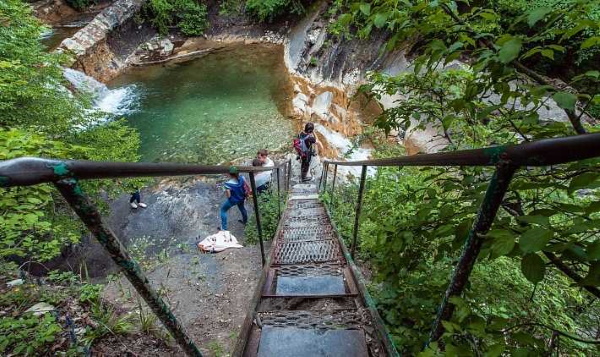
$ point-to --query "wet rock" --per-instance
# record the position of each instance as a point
(322, 103)
(156, 48)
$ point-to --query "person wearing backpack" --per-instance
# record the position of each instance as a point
(304, 145)
(236, 190)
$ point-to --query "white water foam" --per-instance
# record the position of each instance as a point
(118, 101)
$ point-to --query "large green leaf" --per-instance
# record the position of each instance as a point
(537, 219)
(593, 250)
(593, 276)
(565, 100)
(536, 15)
(510, 50)
(590, 42)
(584, 180)
(380, 19)
(535, 239)
(533, 268)
(503, 242)
(365, 8)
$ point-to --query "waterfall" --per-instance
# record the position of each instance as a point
(118, 101)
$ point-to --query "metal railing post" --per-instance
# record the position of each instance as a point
(89, 214)
(289, 175)
(485, 217)
(325, 172)
(257, 216)
(361, 190)
(335, 168)
(321, 180)
(278, 197)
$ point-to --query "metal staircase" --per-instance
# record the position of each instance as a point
(310, 301)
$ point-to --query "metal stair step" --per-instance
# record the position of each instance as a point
(296, 342)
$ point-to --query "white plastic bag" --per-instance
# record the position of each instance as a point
(218, 242)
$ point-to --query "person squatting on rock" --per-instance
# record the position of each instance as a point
(136, 200)
(236, 190)
(263, 179)
(262, 183)
(304, 145)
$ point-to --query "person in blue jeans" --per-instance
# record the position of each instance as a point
(235, 190)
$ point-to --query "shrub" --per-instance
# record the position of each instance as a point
(80, 4)
(188, 15)
(28, 334)
(267, 204)
(267, 10)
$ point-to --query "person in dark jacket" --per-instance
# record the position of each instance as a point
(236, 196)
(307, 142)
(135, 200)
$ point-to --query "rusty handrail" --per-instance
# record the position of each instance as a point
(65, 174)
(536, 153)
(507, 160)
(27, 171)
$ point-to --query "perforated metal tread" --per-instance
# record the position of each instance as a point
(307, 233)
(307, 252)
(306, 213)
(306, 319)
(309, 301)
(310, 270)
(303, 204)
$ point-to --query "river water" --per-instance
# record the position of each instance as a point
(223, 106)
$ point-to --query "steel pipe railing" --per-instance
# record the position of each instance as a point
(536, 153)
(65, 174)
(29, 171)
(506, 159)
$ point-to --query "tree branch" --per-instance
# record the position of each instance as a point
(564, 334)
(570, 273)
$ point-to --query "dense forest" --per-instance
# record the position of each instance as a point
(535, 289)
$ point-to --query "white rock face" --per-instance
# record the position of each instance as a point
(300, 102)
(346, 149)
(322, 103)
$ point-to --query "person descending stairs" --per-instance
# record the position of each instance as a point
(310, 300)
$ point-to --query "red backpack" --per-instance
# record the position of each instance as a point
(301, 146)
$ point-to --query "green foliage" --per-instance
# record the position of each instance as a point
(28, 335)
(29, 225)
(25, 334)
(269, 219)
(413, 224)
(40, 117)
(231, 7)
(415, 220)
(90, 293)
(268, 10)
(188, 15)
(581, 48)
(29, 77)
(80, 4)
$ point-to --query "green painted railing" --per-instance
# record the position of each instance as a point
(507, 160)
(65, 175)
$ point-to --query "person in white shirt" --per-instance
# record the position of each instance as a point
(263, 179)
